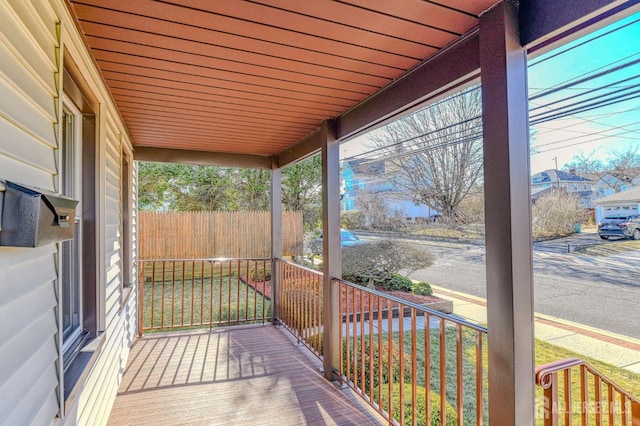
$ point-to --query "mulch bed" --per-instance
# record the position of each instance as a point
(264, 288)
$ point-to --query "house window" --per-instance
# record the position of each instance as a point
(73, 333)
(78, 283)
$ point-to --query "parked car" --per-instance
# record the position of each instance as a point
(347, 239)
(620, 226)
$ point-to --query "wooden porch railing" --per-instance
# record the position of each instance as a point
(189, 293)
(598, 400)
(300, 302)
(399, 357)
(413, 364)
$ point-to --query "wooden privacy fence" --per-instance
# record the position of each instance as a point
(195, 235)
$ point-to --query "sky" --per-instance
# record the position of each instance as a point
(584, 97)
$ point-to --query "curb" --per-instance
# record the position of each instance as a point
(585, 330)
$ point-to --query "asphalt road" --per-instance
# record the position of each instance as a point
(596, 291)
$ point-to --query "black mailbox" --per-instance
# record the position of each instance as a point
(34, 217)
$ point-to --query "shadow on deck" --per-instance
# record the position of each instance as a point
(232, 376)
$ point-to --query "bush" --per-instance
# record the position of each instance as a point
(353, 219)
(260, 275)
(421, 288)
(556, 214)
(421, 406)
(378, 261)
(396, 282)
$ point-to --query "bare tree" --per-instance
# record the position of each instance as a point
(435, 154)
(624, 166)
(374, 208)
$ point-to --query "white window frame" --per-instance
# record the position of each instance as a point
(72, 342)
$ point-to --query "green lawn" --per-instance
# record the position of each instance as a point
(609, 248)
(202, 302)
(545, 353)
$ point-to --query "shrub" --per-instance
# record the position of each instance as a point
(421, 406)
(422, 288)
(353, 219)
(557, 214)
(377, 261)
(396, 282)
(260, 275)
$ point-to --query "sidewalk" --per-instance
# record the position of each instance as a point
(612, 348)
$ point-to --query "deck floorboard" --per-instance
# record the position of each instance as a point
(232, 376)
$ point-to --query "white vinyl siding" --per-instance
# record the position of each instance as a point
(30, 92)
(28, 346)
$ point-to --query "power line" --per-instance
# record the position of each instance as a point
(586, 77)
(575, 46)
(585, 105)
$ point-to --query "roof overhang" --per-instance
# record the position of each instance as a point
(251, 82)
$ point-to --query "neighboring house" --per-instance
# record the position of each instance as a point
(621, 203)
(67, 310)
(605, 184)
(612, 182)
(547, 180)
(367, 176)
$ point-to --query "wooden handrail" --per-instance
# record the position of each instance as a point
(547, 378)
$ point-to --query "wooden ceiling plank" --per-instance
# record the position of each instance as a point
(220, 145)
(325, 19)
(371, 19)
(190, 19)
(239, 128)
(251, 97)
(202, 119)
(224, 77)
(250, 92)
(475, 7)
(228, 59)
(423, 12)
(222, 103)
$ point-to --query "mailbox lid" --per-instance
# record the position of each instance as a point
(34, 217)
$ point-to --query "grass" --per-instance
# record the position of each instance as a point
(367, 353)
(191, 269)
(627, 380)
(449, 233)
(372, 353)
(202, 302)
(609, 248)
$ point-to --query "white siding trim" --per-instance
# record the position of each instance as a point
(32, 49)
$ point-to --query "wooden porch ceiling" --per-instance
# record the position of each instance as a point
(255, 77)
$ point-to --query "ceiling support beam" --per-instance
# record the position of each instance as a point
(449, 68)
(507, 218)
(305, 147)
(544, 21)
(203, 158)
(332, 262)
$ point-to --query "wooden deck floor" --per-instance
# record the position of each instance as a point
(234, 376)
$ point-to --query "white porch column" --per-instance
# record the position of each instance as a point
(508, 218)
(331, 257)
(276, 236)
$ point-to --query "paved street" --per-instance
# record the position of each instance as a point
(596, 291)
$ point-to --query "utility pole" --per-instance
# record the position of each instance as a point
(557, 176)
